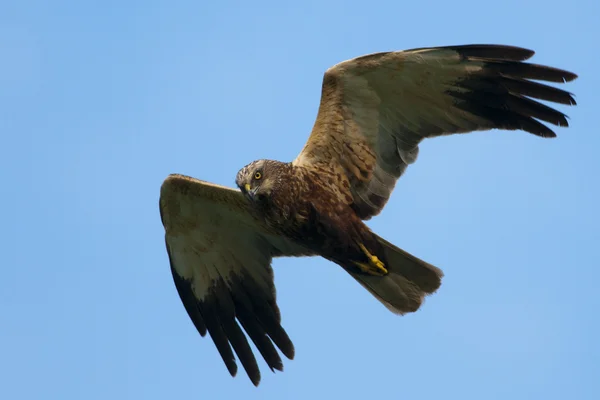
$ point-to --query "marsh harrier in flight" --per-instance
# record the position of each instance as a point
(374, 112)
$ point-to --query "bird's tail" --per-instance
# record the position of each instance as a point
(408, 281)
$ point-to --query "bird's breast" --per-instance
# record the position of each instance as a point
(319, 223)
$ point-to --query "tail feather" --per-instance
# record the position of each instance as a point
(409, 280)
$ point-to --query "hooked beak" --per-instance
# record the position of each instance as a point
(250, 193)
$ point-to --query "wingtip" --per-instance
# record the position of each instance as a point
(570, 76)
(232, 368)
(289, 351)
(255, 380)
(278, 367)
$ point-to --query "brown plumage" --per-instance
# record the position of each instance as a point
(374, 112)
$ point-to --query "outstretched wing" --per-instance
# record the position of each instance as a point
(220, 257)
(376, 109)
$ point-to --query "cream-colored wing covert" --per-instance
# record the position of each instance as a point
(376, 109)
(220, 257)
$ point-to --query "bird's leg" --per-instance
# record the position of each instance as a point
(374, 266)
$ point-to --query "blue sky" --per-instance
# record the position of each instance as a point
(100, 101)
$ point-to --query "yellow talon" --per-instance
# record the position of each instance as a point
(374, 267)
(371, 269)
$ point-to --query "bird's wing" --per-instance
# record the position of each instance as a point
(376, 109)
(220, 257)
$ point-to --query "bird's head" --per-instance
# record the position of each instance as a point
(256, 179)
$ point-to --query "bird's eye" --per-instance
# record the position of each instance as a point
(257, 175)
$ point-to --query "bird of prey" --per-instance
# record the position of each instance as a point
(374, 112)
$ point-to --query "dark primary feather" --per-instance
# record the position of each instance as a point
(249, 320)
(537, 90)
(500, 52)
(257, 313)
(502, 92)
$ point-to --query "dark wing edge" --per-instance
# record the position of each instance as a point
(220, 262)
(502, 91)
(377, 108)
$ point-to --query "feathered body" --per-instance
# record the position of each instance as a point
(314, 208)
(310, 207)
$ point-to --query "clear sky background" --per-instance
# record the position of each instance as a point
(101, 100)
